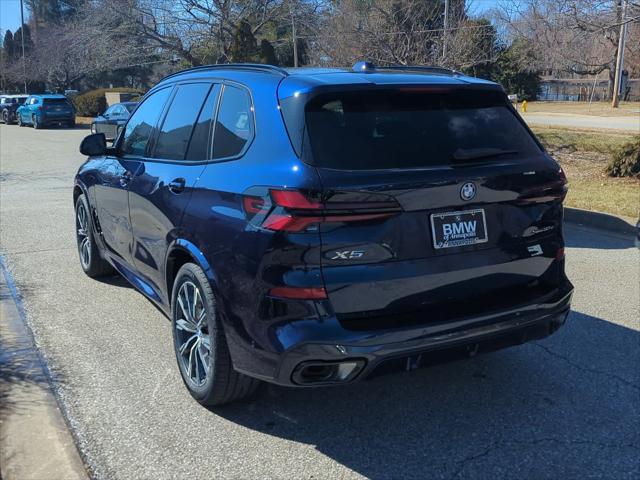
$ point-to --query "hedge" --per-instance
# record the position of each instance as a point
(625, 162)
(94, 102)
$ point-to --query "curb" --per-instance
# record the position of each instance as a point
(603, 221)
(35, 439)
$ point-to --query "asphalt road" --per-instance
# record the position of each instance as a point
(564, 407)
(630, 124)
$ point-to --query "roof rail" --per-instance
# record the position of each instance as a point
(369, 67)
(426, 69)
(258, 67)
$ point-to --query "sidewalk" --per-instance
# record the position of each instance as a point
(35, 443)
(628, 124)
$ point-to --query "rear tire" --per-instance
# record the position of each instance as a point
(5, 118)
(200, 344)
(90, 260)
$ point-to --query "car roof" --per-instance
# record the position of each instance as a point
(15, 95)
(48, 95)
(302, 79)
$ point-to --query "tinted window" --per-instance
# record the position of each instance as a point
(234, 125)
(200, 140)
(130, 106)
(180, 120)
(33, 101)
(110, 111)
(56, 101)
(399, 129)
(141, 124)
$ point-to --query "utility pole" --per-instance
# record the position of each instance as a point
(293, 35)
(620, 57)
(24, 60)
(446, 29)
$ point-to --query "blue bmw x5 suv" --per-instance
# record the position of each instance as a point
(315, 227)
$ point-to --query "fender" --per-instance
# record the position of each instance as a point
(198, 257)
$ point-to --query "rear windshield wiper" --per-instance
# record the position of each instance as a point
(478, 153)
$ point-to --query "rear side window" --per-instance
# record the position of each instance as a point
(179, 122)
(63, 102)
(234, 125)
(413, 129)
(142, 122)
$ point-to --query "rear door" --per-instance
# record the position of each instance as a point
(477, 203)
(161, 189)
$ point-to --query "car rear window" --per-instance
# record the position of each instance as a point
(56, 101)
(413, 128)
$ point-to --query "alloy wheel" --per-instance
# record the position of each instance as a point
(82, 235)
(193, 341)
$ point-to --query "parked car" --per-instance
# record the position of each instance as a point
(317, 227)
(111, 121)
(45, 110)
(8, 106)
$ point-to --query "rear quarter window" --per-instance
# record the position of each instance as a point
(234, 124)
(405, 128)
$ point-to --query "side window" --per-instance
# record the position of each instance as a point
(33, 101)
(234, 125)
(109, 111)
(141, 124)
(200, 138)
(180, 120)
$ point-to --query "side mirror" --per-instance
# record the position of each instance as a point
(94, 145)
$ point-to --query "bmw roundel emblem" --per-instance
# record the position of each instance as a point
(468, 191)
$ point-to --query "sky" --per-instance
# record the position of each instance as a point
(10, 15)
(10, 12)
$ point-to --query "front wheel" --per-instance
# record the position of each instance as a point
(200, 344)
(20, 123)
(5, 117)
(90, 260)
(35, 123)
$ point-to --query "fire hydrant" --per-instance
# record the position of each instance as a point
(523, 107)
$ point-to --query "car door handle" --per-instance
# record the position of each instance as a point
(177, 185)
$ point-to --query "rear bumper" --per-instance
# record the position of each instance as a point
(44, 120)
(326, 341)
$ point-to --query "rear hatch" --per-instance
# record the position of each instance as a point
(452, 207)
(57, 107)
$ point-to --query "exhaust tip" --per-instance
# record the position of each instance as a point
(326, 373)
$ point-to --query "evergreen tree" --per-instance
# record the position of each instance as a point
(267, 53)
(17, 40)
(8, 44)
(245, 45)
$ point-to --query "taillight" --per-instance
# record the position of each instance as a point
(294, 211)
(560, 254)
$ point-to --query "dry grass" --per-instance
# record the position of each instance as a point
(590, 188)
(601, 109)
(584, 158)
(572, 140)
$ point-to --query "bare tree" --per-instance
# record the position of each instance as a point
(403, 32)
(572, 36)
